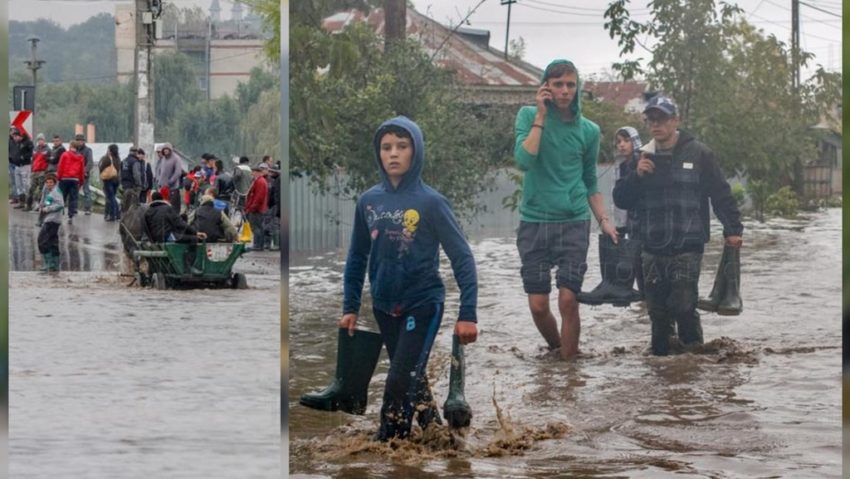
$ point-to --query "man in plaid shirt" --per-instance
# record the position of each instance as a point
(670, 189)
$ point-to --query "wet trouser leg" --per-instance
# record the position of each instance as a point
(409, 338)
(257, 229)
(48, 239)
(670, 284)
(36, 184)
(684, 294)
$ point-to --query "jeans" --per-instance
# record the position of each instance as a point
(22, 179)
(110, 189)
(12, 187)
(70, 192)
(256, 220)
(86, 196)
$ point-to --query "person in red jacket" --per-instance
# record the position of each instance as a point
(71, 173)
(39, 170)
(257, 203)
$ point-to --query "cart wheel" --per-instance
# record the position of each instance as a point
(239, 281)
(158, 280)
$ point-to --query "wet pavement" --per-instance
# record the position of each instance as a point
(113, 381)
(761, 399)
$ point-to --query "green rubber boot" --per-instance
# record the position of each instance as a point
(456, 410)
(45, 263)
(54, 263)
(730, 303)
(356, 359)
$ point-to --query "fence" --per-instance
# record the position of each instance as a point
(322, 221)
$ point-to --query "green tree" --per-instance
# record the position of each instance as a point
(732, 82)
(261, 126)
(208, 127)
(175, 87)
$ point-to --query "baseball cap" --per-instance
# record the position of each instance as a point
(663, 104)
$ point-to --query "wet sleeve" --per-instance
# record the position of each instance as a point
(460, 255)
(355, 264)
(722, 201)
(524, 119)
(591, 155)
(137, 173)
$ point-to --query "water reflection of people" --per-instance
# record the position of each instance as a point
(671, 190)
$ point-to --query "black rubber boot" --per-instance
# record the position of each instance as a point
(730, 303)
(617, 264)
(456, 410)
(356, 359)
(717, 291)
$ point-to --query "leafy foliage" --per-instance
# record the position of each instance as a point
(732, 83)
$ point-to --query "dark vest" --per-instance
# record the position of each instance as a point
(208, 220)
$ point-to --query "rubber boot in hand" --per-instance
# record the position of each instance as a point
(456, 410)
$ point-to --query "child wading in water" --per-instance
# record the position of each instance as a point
(399, 226)
(50, 209)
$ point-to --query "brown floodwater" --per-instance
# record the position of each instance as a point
(761, 398)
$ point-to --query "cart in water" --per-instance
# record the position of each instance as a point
(165, 265)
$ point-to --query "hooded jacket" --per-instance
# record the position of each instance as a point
(170, 169)
(398, 232)
(163, 224)
(626, 165)
(51, 204)
(673, 206)
(557, 180)
(71, 166)
(39, 158)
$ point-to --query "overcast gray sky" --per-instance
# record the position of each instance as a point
(574, 28)
(70, 12)
(550, 28)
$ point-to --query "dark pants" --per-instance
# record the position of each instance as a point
(409, 339)
(36, 184)
(48, 239)
(110, 189)
(174, 195)
(70, 192)
(87, 197)
(257, 229)
(671, 289)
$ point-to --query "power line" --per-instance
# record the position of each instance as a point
(805, 16)
(820, 9)
(541, 5)
(586, 9)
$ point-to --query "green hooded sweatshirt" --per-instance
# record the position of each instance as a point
(560, 178)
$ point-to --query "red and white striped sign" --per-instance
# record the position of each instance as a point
(22, 120)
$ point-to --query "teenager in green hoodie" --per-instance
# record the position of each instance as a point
(557, 149)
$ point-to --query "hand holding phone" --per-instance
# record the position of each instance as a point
(544, 97)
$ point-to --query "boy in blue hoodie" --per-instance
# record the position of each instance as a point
(399, 226)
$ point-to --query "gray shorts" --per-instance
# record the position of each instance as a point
(545, 245)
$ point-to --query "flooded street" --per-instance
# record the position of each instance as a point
(112, 381)
(761, 399)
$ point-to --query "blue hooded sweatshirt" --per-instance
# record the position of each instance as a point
(398, 232)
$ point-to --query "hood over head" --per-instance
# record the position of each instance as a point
(167, 145)
(575, 106)
(414, 174)
(634, 136)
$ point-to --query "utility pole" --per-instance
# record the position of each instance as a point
(795, 44)
(508, 28)
(34, 64)
(143, 131)
(395, 22)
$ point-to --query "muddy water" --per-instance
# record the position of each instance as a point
(108, 381)
(761, 398)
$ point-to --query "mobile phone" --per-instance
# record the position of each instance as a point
(549, 103)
